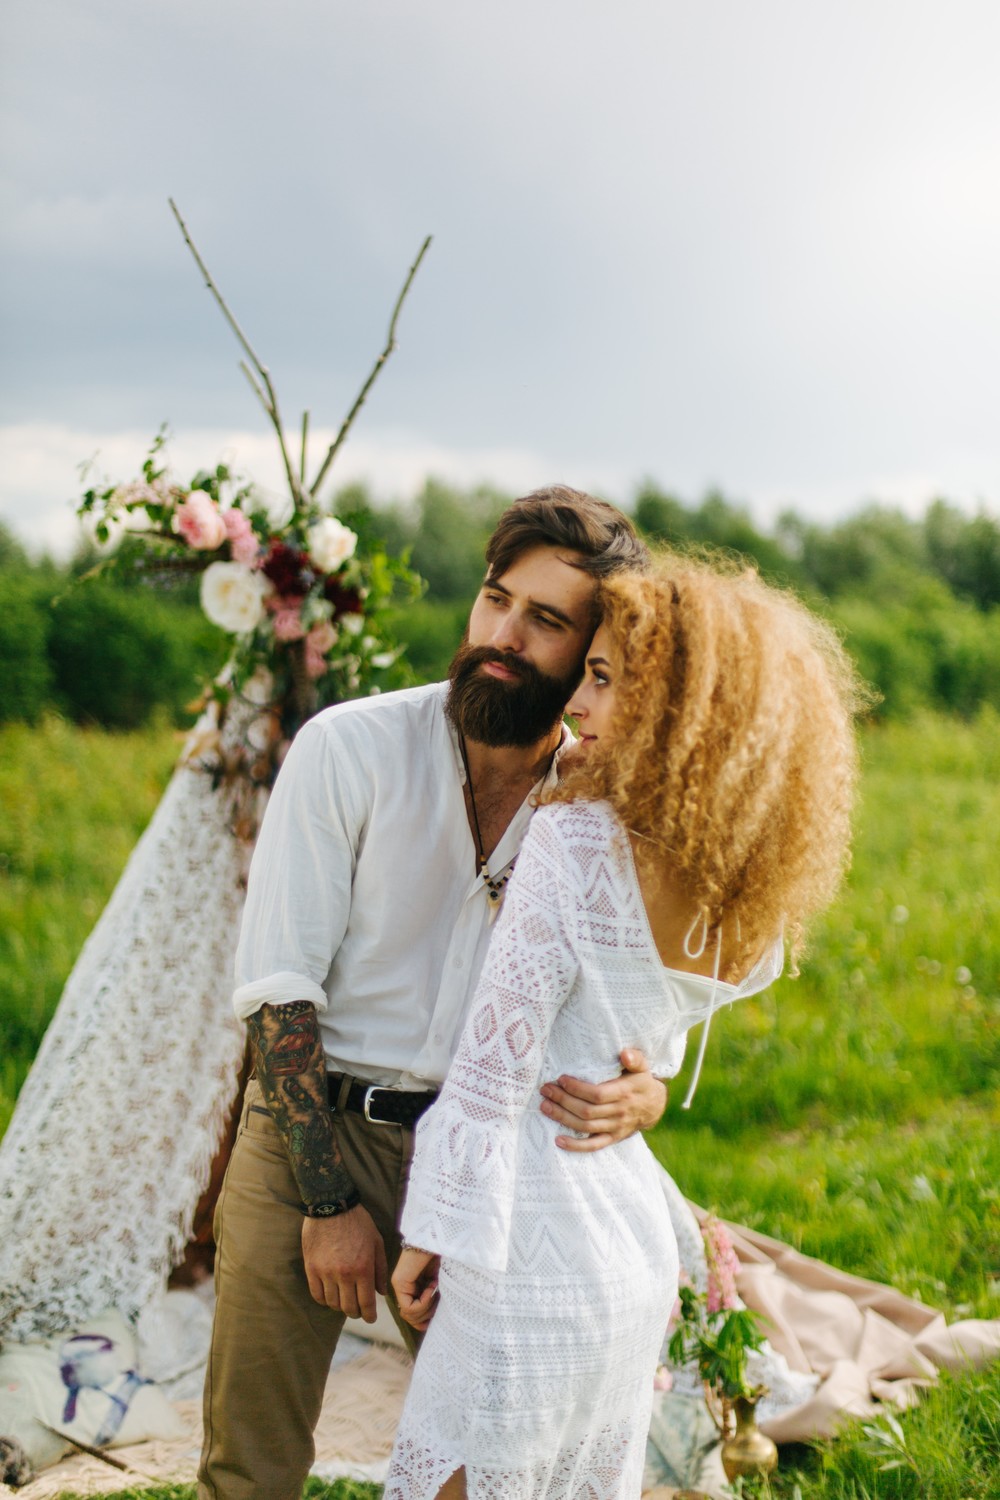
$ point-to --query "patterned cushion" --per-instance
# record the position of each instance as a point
(85, 1384)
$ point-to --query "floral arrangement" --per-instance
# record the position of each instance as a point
(307, 613)
(715, 1332)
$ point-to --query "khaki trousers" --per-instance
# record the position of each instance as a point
(271, 1343)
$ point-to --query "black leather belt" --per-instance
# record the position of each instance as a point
(380, 1105)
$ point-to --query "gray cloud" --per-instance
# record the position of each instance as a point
(753, 245)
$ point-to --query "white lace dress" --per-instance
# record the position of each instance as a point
(559, 1269)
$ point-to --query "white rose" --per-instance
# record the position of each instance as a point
(233, 597)
(331, 544)
(353, 624)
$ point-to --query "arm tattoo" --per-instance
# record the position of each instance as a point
(291, 1071)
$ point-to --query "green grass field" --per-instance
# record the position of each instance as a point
(853, 1111)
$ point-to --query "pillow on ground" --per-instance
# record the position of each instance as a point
(84, 1383)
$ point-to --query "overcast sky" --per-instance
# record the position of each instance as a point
(753, 245)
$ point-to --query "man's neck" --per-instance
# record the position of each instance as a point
(508, 765)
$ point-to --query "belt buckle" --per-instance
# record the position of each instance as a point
(376, 1088)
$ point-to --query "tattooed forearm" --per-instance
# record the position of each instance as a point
(291, 1071)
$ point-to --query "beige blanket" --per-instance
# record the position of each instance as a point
(866, 1341)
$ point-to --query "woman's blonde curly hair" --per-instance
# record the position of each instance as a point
(733, 759)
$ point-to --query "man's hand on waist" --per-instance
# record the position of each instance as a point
(345, 1262)
(606, 1113)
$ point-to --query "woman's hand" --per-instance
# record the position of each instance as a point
(414, 1282)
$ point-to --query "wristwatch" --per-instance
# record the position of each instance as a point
(333, 1207)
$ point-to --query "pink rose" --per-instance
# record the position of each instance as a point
(288, 625)
(663, 1380)
(243, 544)
(315, 662)
(199, 521)
(322, 637)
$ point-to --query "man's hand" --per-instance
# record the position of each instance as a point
(606, 1112)
(415, 1281)
(345, 1262)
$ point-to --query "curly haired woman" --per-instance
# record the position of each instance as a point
(704, 821)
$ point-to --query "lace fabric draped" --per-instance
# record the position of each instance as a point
(559, 1270)
(116, 1127)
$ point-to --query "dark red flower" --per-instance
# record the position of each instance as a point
(288, 569)
(344, 601)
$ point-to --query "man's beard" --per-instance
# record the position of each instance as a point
(505, 714)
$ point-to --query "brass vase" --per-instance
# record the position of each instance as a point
(748, 1451)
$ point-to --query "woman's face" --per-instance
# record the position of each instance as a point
(592, 705)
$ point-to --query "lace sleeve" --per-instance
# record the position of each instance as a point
(461, 1187)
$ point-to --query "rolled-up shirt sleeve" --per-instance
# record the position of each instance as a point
(299, 891)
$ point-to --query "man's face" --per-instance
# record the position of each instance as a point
(524, 648)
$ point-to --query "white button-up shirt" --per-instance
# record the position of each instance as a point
(363, 893)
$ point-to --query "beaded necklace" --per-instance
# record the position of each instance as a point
(494, 887)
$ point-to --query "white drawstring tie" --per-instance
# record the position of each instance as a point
(697, 953)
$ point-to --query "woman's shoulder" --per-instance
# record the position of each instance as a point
(577, 821)
(573, 835)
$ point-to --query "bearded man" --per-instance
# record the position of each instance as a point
(392, 830)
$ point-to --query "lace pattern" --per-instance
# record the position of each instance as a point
(559, 1270)
(115, 1129)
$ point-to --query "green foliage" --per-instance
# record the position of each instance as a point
(24, 660)
(450, 538)
(116, 654)
(431, 628)
(947, 1448)
(12, 555)
(72, 805)
(918, 601)
(714, 523)
(965, 553)
(717, 1341)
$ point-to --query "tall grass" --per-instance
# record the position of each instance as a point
(854, 1111)
(72, 804)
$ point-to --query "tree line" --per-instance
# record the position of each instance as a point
(916, 599)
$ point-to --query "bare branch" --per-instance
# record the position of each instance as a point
(305, 444)
(390, 345)
(299, 500)
(209, 282)
(251, 377)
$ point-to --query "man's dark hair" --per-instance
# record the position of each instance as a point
(561, 517)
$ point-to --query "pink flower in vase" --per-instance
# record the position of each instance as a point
(722, 1267)
(199, 521)
(243, 544)
(663, 1380)
(288, 624)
